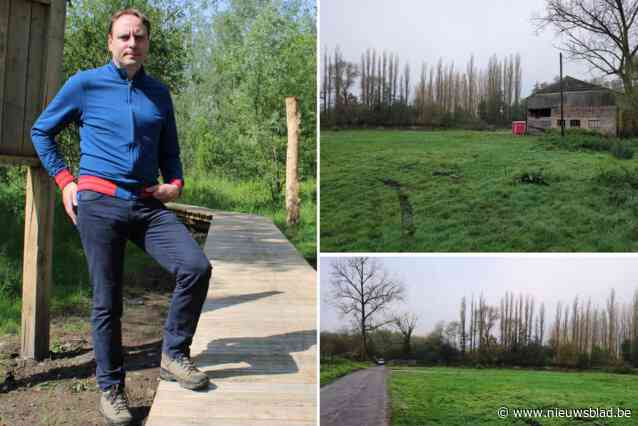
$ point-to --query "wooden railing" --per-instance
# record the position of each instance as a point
(194, 217)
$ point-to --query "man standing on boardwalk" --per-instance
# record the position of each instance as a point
(127, 133)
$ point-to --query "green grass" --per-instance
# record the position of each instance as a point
(454, 396)
(71, 291)
(473, 191)
(338, 367)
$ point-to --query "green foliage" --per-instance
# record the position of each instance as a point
(335, 367)
(620, 185)
(599, 357)
(621, 177)
(249, 56)
(583, 139)
(622, 149)
(86, 34)
(576, 139)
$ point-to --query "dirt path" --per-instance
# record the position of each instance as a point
(61, 390)
(360, 398)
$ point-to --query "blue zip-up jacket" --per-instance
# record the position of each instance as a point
(127, 132)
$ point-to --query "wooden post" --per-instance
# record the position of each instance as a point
(36, 264)
(292, 158)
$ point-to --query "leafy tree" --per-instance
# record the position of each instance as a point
(405, 324)
(249, 56)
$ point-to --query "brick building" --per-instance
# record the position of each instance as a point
(585, 106)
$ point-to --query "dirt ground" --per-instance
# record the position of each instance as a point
(62, 390)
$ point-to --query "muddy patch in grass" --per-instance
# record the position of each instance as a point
(451, 173)
(407, 218)
(533, 177)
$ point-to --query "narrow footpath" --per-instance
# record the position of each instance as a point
(256, 339)
(358, 399)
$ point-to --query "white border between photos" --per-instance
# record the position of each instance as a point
(317, 201)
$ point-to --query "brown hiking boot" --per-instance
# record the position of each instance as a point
(182, 371)
(114, 406)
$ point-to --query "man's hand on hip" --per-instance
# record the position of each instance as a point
(70, 200)
(165, 192)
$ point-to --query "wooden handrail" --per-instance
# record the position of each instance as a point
(197, 217)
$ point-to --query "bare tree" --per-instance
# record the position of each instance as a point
(363, 290)
(541, 325)
(337, 76)
(406, 84)
(350, 73)
(601, 32)
(406, 323)
(471, 84)
(612, 316)
(326, 77)
(462, 326)
(518, 77)
(364, 80)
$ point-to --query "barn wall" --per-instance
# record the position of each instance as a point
(595, 110)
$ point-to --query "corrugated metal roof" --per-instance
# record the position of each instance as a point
(570, 84)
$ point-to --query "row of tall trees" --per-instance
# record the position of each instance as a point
(379, 90)
(514, 331)
(515, 319)
(582, 334)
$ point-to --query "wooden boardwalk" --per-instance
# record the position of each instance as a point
(256, 337)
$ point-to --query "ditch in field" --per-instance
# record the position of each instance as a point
(407, 218)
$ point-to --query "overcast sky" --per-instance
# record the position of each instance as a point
(426, 30)
(436, 284)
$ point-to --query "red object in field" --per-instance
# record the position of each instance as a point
(518, 127)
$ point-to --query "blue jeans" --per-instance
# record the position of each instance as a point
(105, 224)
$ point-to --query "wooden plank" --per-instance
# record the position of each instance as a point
(15, 79)
(256, 339)
(5, 8)
(55, 50)
(194, 211)
(174, 419)
(35, 75)
(36, 265)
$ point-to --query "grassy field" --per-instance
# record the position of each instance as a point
(338, 367)
(389, 191)
(453, 396)
(71, 291)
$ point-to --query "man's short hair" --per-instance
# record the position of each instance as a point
(134, 12)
